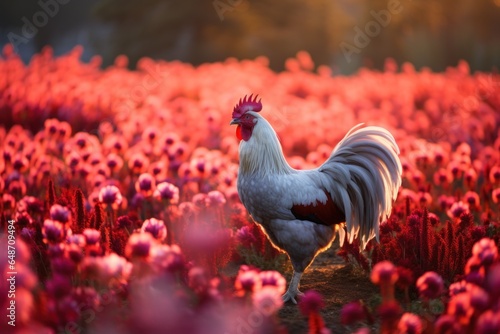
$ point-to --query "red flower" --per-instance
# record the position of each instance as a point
(410, 324)
(430, 285)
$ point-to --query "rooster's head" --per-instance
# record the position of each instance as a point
(244, 115)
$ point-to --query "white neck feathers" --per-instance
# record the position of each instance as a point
(262, 153)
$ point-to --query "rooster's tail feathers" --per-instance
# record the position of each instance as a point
(365, 175)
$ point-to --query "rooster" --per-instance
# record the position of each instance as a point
(301, 211)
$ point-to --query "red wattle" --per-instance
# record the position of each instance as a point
(238, 132)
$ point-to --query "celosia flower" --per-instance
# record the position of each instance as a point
(486, 250)
(245, 236)
(110, 195)
(410, 324)
(352, 313)
(430, 285)
(311, 302)
(145, 184)
(156, 227)
(167, 191)
(106, 268)
(60, 213)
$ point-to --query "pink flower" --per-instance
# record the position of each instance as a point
(139, 245)
(311, 302)
(384, 273)
(167, 191)
(247, 281)
(495, 195)
(145, 184)
(352, 313)
(457, 209)
(92, 236)
(495, 175)
(156, 227)
(245, 236)
(447, 324)
(486, 250)
(273, 278)
(472, 199)
(410, 324)
(488, 323)
(460, 307)
(216, 198)
(53, 231)
(110, 195)
(60, 213)
(267, 300)
(430, 285)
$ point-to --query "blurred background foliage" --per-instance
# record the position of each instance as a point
(433, 33)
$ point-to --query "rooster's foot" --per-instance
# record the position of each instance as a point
(291, 295)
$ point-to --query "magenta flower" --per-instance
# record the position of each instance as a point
(145, 184)
(247, 281)
(488, 323)
(384, 273)
(92, 236)
(53, 231)
(267, 300)
(273, 278)
(245, 236)
(410, 324)
(311, 302)
(60, 213)
(447, 324)
(457, 209)
(352, 313)
(486, 250)
(139, 245)
(460, 307)
(495, 195)
(216, 198)
(168, 192)
(430, 285)
(156, 227)
(110, 195)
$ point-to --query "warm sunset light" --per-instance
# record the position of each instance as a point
(250, 167)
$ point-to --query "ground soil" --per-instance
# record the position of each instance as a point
(338, 282)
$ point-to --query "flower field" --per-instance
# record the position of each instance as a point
(118, 189)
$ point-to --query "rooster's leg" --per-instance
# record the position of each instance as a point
(293, 288)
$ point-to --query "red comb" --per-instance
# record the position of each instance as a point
(247, 105)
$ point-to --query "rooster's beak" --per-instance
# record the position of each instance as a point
(234, 121)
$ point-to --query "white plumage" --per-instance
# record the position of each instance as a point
(299, 210)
